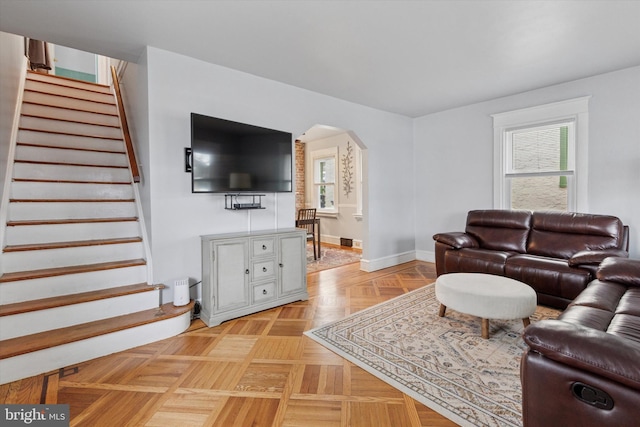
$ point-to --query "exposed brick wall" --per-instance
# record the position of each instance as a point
(300, 170)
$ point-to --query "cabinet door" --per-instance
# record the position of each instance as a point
(231, 274)
(292, 263)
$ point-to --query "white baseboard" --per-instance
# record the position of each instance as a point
(428, 256)
(388, 261)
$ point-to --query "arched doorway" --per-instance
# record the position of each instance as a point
(330, 176)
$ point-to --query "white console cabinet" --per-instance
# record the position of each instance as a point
(243, 273)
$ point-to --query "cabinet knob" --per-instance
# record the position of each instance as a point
(264, 247)
(264, 292)
(264, 269)
(246, 271)
(281, 265)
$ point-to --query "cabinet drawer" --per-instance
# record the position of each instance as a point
(264, 292)
(263, 247)
(264, 269)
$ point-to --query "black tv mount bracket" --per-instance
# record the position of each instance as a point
(187, 160)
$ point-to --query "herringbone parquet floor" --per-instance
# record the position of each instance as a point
(257, 370)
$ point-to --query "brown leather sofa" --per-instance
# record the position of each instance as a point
(583, 369)
(556, 253)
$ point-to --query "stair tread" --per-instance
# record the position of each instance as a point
(60, 271)
(71, 134)
(68, 108)
(53, 79)
(70, 181)
(60, 147)
(71, 244)
(39, 162)
(69, 221)
(30, 343)
(64, 300)
(67, 96)
(57, 119)
(70, 200)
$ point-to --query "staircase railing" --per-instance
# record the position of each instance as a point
(125, 127)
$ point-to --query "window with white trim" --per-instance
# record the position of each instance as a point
(541, 157)
(324, 180)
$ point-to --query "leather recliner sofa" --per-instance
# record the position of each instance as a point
(556, 253)
(583, 369)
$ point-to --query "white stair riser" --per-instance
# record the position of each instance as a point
(49, 125)
(67, 114)
(49, 233)
(68, 91)
(61, 317)
(67, 257)
(70, 173)
(68, 82)
(58, 155)
(55, 286)
(30, 364)
(52, 191)
(63, 101)
(70, 141)
(70, 210)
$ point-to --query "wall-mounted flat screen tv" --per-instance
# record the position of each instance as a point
(231, 157)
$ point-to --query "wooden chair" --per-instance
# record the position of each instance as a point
(307, 220)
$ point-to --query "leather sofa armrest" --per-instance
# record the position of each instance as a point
(456, 239)
(587, 349)
(595, 257)
(621, 270)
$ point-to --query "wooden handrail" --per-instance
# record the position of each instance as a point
(125, 127)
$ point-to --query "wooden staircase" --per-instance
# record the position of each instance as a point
(74, 261)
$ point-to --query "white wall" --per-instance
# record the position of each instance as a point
(454, 155)
(344, 224)
(12, 73)
(178, 85)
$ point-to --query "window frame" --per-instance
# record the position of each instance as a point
(327, 153)
(574, 111)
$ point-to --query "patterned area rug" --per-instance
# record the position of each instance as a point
(442, 362)
(331, 257)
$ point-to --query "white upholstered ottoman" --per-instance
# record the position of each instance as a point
(486, 296)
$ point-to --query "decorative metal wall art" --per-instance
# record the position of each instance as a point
(347, 170)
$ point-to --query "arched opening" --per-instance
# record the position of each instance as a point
(331, 171)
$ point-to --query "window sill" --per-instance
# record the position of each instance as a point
(327, 214)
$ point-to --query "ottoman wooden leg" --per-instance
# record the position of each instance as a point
(442, 310)
(526, 322)
(485, 328)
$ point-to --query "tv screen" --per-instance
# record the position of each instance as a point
(231, 157)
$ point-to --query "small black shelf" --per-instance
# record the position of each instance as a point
(243, 201)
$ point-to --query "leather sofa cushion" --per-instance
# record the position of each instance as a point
(622, 325)
(500, 230)
(621, 270)
(548, 275)
(588, 317)
(630, 303)
(472, 260)
(601, 295)
(625, 326)
(562, 234)
(456, 240)
(607, 306)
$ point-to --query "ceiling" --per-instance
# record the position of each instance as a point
(408, 57)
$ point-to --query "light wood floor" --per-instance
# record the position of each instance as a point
(257, 370)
